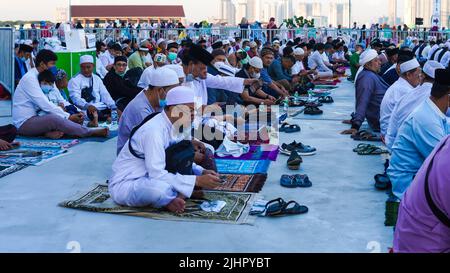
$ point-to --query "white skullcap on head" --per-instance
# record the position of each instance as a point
(225, 42)
(447, 44)
(256, 62)
(160, 40)
(253, 44)
(225, 69)
(232, 40)
(163, 76)
(177, 68)
(367, 56)
(86, 59)
(430, 68)
(276, 42)
(299, 51)
(28, 42)
(180, 95)
(409, 65)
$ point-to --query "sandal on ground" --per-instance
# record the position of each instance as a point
(313, 111)
(372, 150)
(294, 161)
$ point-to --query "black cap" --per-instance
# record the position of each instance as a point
(172, 45)
(197, 53)
(217, 45)
(25, 48)
(120, 59)
(392, 51)
(442, 76)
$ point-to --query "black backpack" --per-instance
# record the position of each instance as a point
(179, 157)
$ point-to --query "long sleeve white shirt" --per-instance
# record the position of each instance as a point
(151, 141)
(393, 95)
(101, 94)
(145, 79)
(29, 99)
(404, 108)
(316, 61)
(106, 58)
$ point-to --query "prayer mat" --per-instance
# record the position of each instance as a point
(263, 152)
(42, 142)
(236, 210)
(242, 183)
(9, 169)
(326, 87)
(34, 156)
(231, 166)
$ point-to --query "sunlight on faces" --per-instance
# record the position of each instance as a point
(374, 65)
(199, 70)
(414, 77)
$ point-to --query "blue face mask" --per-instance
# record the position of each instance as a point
(46, 88)
(23, 59)
(54, 70)
(247, 48)
(162, 103)
(190, 78)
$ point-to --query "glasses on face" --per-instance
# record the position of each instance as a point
(121, 64)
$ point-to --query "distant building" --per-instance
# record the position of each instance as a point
(392, 14)
(339, 14)
(127, 13)
(61, 14)
(227, 11)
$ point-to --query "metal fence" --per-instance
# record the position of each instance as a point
(7, 58)
(217, 33)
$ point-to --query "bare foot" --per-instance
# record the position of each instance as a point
(104, 132)
(177, 205)
(54, 135)
(94, 122)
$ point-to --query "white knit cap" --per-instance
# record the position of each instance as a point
(180, 95)
(409, 65)
(86, 59)
(177, 68)
(431, 66)
(225, 69)
(163, 76)
(160, 40)
(253, 44)
(256, 62)
(225, 42)
(299, 51)
(367, 56)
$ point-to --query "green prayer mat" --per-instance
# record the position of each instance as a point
(236, 211)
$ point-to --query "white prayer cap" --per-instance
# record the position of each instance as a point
(232, 40)
(163, 76)
(276, 42)
(160, 40)
(86, 59)
(256, 62)
(447, 44)
(367, 56)
(253, 44)
(177, 68)
(160, 58)
(28, 42)
(225, 69)
(409, 65)
(225, 42)
(180, 95)
(299, 51)
(170, 42)
(431, 66)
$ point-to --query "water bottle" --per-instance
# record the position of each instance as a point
(262, 107)
(286, 104)
(114, 117)
(296, 98)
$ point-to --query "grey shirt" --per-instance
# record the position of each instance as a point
(370, 90)
(135, 112)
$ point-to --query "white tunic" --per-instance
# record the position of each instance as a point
(142, 182)
(106, 58)
(297, 68)
(393, 95)
(404, 108)
(101, 69)
(29, 99)
(102, 100)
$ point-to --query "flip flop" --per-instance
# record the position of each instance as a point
(293, 208)
(275, 207)
(372, 150)
(326, 99)
(293, 128)
(361, 147)
(302, 181)
(288, 181)
(294, 161)
(382, 182)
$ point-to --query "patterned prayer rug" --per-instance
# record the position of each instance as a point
(231, 166)
(42, 142)
(30, 155)
(263, 152)
(9, 169)
(242, 183)
(236, 210)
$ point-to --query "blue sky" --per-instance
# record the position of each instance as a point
(363, 10)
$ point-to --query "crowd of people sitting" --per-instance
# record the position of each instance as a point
(401, 91)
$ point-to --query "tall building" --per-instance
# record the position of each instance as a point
(309, 10)
(418, 9)
(392, 16)
(269, 10)
(227, 12)
(241, 10)
(339, 14)
(254, 10)
(445, 13)
(61, 14)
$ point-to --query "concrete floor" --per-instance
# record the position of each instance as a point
(346, 212)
